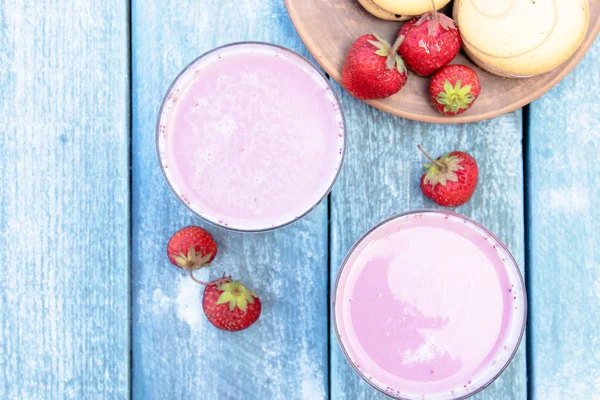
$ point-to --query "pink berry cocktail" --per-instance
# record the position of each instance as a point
(251, 136)
(429, 305)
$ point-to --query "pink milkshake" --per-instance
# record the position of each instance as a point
(429, 305)
(251, 136)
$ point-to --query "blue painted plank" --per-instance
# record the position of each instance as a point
(381, 178)
(176, 352)
(64, 208)
(564, 148)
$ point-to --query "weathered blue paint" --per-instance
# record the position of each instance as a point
(564, 252)
(64, 208)
(64, 214)
(176, 352)
(381, 178)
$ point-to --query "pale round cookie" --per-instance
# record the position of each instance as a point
(409, 7)
(380, 13)
(488, 68)
(521, 38)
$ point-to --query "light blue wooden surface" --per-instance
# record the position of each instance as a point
(66, 220)
(381, 178)
(564, 238)
(176, 352)
(64, 200)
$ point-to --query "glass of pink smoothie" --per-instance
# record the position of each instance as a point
(429, 305)
(251, 136)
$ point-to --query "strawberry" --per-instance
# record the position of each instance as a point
(230, 306)
(191, 248)
(451, 179)
(373, 69)
(454, 89)
(430, 42)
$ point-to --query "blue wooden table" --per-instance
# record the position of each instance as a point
(90, 307)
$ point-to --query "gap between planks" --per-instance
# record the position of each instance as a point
(527, 249)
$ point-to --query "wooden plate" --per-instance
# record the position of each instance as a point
(328, 28)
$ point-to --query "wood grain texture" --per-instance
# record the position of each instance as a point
(176, 352)
(328, 28)
(64, 209)
(381, 179)
(564, 147)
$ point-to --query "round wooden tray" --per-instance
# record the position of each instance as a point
(328, 29)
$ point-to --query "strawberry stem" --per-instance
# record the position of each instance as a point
(434, 9)
(397, 44)
(434, 162)
(391, 58)
(216, 282)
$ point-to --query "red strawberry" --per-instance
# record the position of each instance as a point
(454, 89)
(451, 179)
(430, 42)
(230, 306)
(191, 248)
(373, 69)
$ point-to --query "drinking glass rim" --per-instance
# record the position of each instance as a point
(404, 214)
(329, 86)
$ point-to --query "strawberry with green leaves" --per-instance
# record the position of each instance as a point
(454, 89)
(451, 179)
(431, 41)
(230, 306)
(373, 69)
(191, 248)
